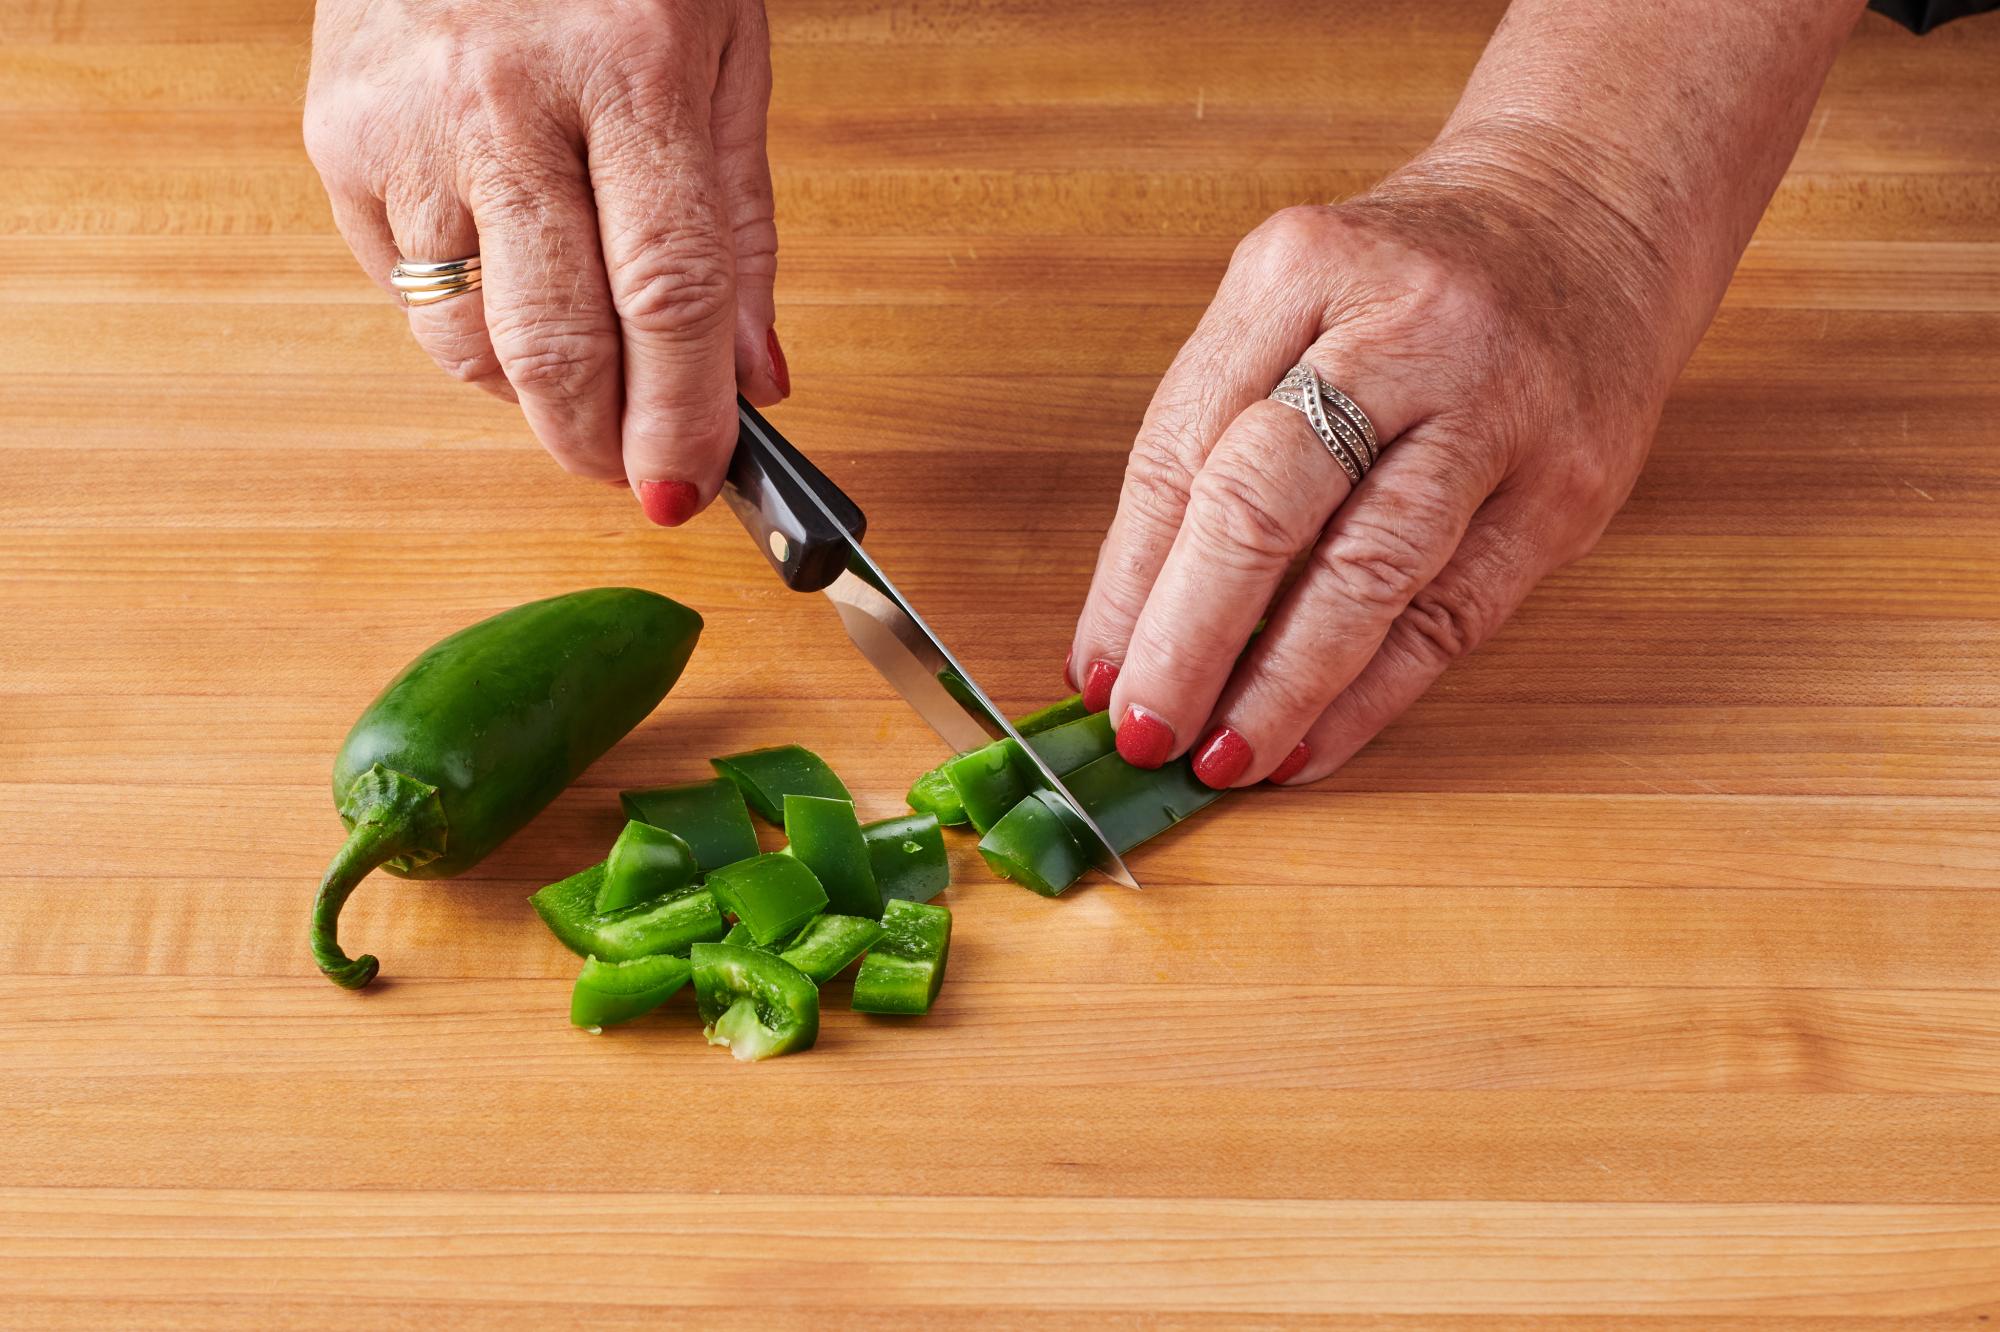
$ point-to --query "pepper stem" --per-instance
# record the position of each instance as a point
(389, 816)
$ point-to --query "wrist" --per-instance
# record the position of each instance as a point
(1569, 239)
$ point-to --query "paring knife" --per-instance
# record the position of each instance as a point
(811, 533)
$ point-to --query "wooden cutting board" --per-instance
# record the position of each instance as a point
(1651, 967)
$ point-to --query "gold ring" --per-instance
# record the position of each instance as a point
(427, 283)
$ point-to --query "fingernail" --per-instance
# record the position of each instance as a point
(780, 372)
(1144, 739)
(1294, 761)
(1097, 682)
(668, 503)
(1223, 757)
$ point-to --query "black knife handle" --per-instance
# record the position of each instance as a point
(771, 486)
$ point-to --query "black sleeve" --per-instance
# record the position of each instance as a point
(1923, 15)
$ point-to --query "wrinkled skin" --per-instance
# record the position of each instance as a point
(605, 158)
(1508, 364)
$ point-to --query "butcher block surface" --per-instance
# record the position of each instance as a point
(1646, 976)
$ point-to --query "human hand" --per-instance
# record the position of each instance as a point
(605, 160)
(1508, 368)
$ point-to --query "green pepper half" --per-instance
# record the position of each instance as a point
(771, 894)
(767, 776)
(756, 1003)
(608, 993)
(826, 836)
(709, 816)
(903, 971)
(908, 856)
(485, 728)
(645, 862)
(664, 925)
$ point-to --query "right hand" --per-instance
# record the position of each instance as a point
(605, 159)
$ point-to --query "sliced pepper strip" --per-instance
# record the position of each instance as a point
(908, 856)
(645, 862)
(754, 1002)
(1052, 716)
(826, 836)
(1070, 745)
(1132, 805)
(771, 894)
(607, 993)
(827, 944)
(709, 816)
(767, 776)
(664, 925)
(903, 971)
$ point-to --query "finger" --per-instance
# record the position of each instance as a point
(365, 227)
(1245, 342)
(430, 224)
(672, 274)
(737, 110)
(548, 306)
(1263, 496)
(1500, 560)
(1379, 553)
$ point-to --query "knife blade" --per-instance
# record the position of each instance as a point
(811, 532)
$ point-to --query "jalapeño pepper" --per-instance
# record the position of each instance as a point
(709, 816)
(827, 944)
(772, 895)
(932, 793)
(904, 969)
(664, 925)
(754, 1002)
(826, 836)
(767, 776)
(908, 856)
(481, 731)
(645, 862)
(611, 992)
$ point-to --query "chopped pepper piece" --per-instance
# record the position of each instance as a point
(709, 816)
(767, 776)
(739, 934)
(771, 894)
(645, 862)
(823, 949)
(908, 856)
(607, 993)
(932, 794)
(903, 971)
(989, 781)
(1032, 845)
(826, 836)
(664, 925)
(754, 1002)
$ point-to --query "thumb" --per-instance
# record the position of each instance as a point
(737, 115)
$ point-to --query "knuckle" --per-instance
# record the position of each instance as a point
(1243, 518)
(1377, 566)
(1286, 240)
(682, 287)
(566, 366)
(1444, 625)
(1157, 481)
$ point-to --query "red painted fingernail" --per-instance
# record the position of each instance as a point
(780, 372)
(1222, 758)
(1144, 739)
(1294, 761)
(1097, 682)
(668, 503)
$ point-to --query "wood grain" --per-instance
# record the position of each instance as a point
(1647, 976)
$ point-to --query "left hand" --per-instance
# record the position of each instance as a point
(1515, 386)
